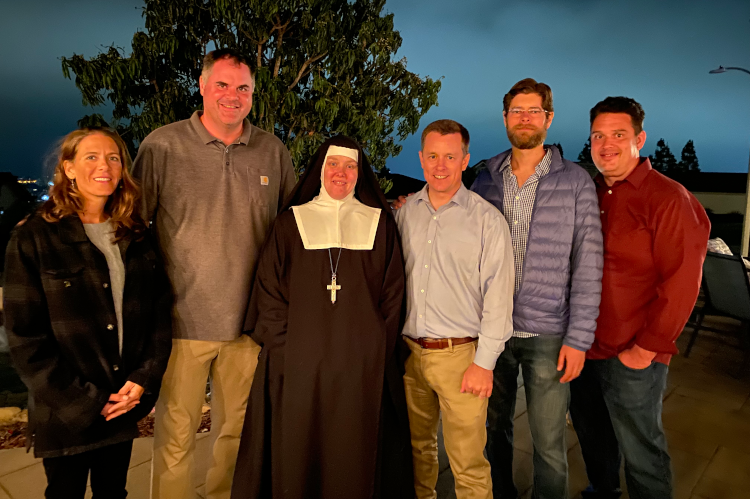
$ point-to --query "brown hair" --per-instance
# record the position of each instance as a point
(232, 54)
(621, 105)
(447, 127)
(65, 201)
(530, 86)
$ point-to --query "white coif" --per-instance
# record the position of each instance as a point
(328, 223)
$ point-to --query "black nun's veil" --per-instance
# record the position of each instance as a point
(366, 191)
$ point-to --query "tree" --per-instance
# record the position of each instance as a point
(585, 155)
(663, 159)
(559, 147)
(323, 67)
(585, 160)
(688, 158)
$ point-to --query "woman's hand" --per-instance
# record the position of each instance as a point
(124, 401)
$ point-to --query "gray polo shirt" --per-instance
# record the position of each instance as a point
(211, 206)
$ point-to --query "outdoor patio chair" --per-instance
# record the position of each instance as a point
(727, 293)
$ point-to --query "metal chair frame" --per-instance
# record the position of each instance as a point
(711, 309)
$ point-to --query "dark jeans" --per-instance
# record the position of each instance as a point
(618, 409)
(67, 475)
(547, 404)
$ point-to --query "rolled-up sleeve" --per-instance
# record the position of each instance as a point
(497, 277)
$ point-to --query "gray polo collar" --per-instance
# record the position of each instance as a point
(207, 138)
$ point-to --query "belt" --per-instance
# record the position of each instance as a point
(426, 343)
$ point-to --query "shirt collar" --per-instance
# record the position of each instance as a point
(541, 169)
(207, 138)
(71, 229)
(636, 177)
(461, 198)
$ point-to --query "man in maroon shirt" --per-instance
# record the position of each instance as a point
(655, 237)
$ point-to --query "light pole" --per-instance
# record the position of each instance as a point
(746, 217)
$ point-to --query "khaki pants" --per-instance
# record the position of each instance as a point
(433, 386)
(178, 414)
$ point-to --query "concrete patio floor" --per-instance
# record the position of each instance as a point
(706, 417)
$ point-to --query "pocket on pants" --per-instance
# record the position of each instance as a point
(634, 370)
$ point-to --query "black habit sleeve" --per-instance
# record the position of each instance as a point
(272, 287)
(269, 305)
(392, 296)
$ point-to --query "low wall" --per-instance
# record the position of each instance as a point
(722, 203)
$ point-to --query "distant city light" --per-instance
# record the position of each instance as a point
(45, 197)
(50, 183)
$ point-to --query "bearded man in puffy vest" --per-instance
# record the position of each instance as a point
(551, 207)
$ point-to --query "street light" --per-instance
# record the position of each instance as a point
(746, 217)
(722, 69)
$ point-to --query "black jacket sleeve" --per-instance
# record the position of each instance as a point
(159, 344)
(34, 350)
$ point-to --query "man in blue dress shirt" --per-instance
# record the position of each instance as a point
(459, 288)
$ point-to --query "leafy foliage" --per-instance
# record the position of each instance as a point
(323, 67)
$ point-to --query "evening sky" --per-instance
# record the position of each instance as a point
(658, 52)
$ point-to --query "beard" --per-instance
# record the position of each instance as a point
(527, 142)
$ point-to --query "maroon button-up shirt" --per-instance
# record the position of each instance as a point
(655, 237)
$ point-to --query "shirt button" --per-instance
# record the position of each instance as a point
(110, 326)
(115, 367)
(422, 290)
(429, 241)
(610, 191)
(426, 266)
(420, 315)
(227, 164)
(434, 217)
(602, 211)
(66, 283)
(515, 222)
(518, 197)
(106, 285)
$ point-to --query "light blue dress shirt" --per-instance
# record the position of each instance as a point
(459, 271)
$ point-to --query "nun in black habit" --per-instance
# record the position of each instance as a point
(327, 412)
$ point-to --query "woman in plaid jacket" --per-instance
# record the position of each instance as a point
(87, 311)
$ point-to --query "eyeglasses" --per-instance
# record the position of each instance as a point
(533, 112)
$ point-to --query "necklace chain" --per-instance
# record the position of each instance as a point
(330, 259)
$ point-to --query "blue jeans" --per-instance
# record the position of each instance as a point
(618, 409)
(547, 404)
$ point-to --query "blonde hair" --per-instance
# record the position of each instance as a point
(66, 201)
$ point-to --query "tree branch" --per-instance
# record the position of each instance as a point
(260, 52)
(304, 66)
(279, 37)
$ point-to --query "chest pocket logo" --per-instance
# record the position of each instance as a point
(264, 180)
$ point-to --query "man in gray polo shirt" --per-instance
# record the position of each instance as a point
(211, 187)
